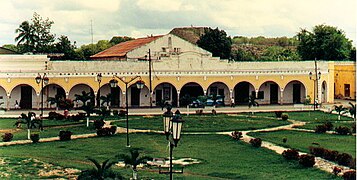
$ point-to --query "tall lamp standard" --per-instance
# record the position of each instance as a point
(43, 80)
(139, 84)
(172, 128)
(99, 79)
(315, 79)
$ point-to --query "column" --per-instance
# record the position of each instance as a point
(38, 100)
(8, 101)
(281, 96)
(178, 98)
(256, 93)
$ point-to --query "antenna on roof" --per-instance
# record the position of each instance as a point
(91, 29)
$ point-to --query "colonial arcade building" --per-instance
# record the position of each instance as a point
(178, 69)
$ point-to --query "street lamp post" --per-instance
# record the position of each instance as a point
(139, 84)
(99, 79)
(315, 79)
(173, 127)
(43, 80)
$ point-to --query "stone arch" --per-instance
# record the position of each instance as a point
(165, 92)
(219, 88)
(269, 93)
(294, 92)
(77, 89)
(4, 100)
(52, 90)
(25, 95)
(242, 91)
(116, 97)
(190, 91)
(324, 92)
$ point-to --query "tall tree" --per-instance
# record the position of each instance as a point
(26, 37)
(65, 46)
(217, 42)
(324, 42)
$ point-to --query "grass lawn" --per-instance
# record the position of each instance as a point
(302, 140)
(312, 125)
(310, 116)
(221, 157)
(205, 123)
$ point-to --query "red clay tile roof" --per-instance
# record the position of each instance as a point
(121, 49)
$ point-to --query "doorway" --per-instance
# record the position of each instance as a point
(296, 93)
(26, 97)
(274, 93)
(135, 96)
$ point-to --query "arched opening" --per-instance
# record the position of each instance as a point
(220, 89)
(189, 92)
(324, 92)
(138, 97)
(110, 95)
(165, 93)
(269, 93)
(52, 91)
(3, 99)
(242, 91)
(25, 95)
(294, 92)
(78, 89)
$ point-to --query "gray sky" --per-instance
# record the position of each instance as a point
(138, 18)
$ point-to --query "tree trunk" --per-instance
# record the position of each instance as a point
(87, 121)
(135, 174)
(339, 117)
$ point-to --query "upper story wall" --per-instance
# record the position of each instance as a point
(23, 63)
(345, 79)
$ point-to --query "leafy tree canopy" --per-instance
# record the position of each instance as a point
(217, 42)
(324, 42)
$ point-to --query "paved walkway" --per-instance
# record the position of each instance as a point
(320, 163)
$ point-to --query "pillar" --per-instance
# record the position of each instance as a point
(8, 101)
(281, 96)
(178, 98)
(38, 101)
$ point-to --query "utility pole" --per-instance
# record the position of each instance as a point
(150, 83)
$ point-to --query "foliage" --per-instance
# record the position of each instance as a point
(328, 126)
(119, 39)
(330, 155)
(65, 135)
(65, 46)
(278, 114)
(216, 42)
(339, 109)
(122, 113)
(55, 115)
(35, 137)
(284, 116)
(278, 53)
(307, 160)
(343, 130)
(349, 175)
(256, 142)
(84, 97)
(134, 158)
(88, 108)
(85, 51)
(252, 102)
(107, 131)
(307, 100)
(101, 172)
(320, 129)
(324, 42)
(291, 154)
(7, 137)
(352, 110)
(317, 151)
(103, 111)
(236, 135)
(115, 112)
(336, 170)
(344, 159)
(98, 124)
(66, 104)
(106, 99)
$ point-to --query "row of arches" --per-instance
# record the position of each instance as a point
(269, 92)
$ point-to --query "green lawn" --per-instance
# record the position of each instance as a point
(9, 123)
(312, 125)
(205, 123)
(302, 140)
(221, 157)
(317, 116)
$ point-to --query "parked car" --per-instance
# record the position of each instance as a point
(219, 102)
(197, 104)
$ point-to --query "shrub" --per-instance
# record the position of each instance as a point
(65, 135)
(344, 159)
(214, 112)
(307, 160)
(115, 112)
(236, 135)
(256, 142)
(54, 115)
(320, 129)
(284, 116)
(199, 112)
(122, 113)
(329, 126)
(349, 175)
(291, 154)
(35, 137)
(278, 114)
(336, 170)
(342, 130)
(113, 129)
(105, 131)
(7, 137)
(317, 151)
(330, 155)
(98, 124)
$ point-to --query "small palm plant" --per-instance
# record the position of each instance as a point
(106, 99)
(101, 172)
(352, 110)
(252, 102)
(84, 97)
(133, 160)
(339, 109)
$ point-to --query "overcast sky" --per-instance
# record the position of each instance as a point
(138, 18)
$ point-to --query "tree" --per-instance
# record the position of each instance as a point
(339, 109)
(119, 39)
(352, 110)
(325, 42)
(252, 102)
(65, 46)
(35, 36)
(106, 99)
(133, 160)
(216, 42)
(84, 97)
(101, 172)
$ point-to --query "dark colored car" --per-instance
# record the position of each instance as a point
(197, 104)
(219, 102)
